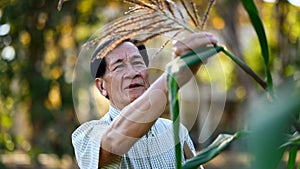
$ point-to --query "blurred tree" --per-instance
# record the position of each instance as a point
(287, 27)
(36, 108)
(231, 35)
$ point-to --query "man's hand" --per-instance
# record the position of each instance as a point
(187, 44)
(193, 41)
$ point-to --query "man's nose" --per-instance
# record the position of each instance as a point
(131, 72)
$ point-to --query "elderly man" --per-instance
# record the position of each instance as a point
(131, 134)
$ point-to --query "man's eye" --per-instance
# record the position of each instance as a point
(118, 67)
(138, 63)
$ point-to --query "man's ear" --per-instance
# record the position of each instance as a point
(100, 84)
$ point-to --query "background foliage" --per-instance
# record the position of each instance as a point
(39, 48)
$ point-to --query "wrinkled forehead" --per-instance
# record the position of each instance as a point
(124, 51)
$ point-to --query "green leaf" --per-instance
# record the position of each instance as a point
(203, 53)
(293, 140)
(269, 123)
(199, 55)
(191, 58)
(174, 107)
(214, 149)
(246, 68)
(292, 157)
(251, 9)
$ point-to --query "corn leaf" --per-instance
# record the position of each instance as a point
(293, 140)
(292, 157)
(174, 107)
(252, 11)
(214, 149)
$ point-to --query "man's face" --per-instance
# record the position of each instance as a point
(125, 78)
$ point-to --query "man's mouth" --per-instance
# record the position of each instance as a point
(134, 85)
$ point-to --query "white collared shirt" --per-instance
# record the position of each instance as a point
(153, 150)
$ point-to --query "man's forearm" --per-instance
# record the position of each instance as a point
(134, 121)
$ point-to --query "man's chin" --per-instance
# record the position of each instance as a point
(135, 95)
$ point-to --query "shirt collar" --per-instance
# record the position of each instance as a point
(113, 112)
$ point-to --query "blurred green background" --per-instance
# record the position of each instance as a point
(39, 47)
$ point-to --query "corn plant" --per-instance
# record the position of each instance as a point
(153, 18)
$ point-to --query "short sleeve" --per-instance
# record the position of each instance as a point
(189, 141)
(186, 138)
(86, 141)
(190, 144)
